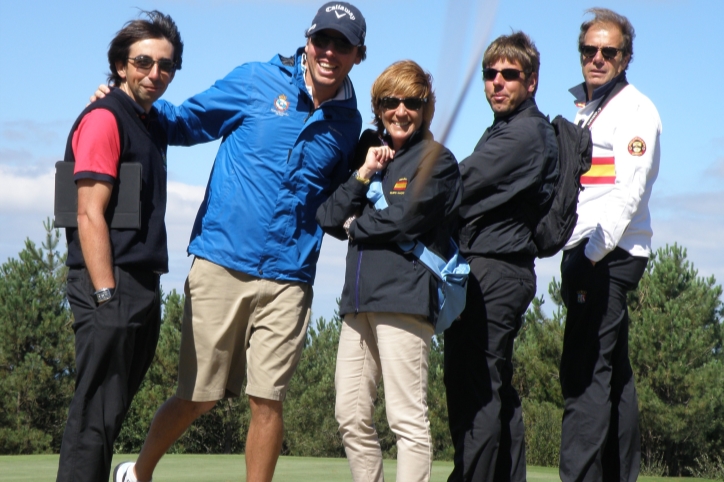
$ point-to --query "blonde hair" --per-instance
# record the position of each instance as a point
(407, 79)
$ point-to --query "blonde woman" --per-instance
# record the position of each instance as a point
(389, 300)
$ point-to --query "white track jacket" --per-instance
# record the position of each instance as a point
(613, 209)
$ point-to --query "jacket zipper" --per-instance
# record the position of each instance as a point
(356, 285)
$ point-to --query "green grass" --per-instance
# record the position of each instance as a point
(228, 468)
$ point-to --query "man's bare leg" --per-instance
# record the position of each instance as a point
(170, 422)
(264, 440)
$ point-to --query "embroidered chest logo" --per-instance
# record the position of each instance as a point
(281, 105)
(581, 297)
(637, 147)
(400, 186)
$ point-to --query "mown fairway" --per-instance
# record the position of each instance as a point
(230, 468)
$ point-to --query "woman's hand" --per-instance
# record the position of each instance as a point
(376, 160)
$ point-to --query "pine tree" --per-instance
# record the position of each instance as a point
(676, 350)
(36, 349)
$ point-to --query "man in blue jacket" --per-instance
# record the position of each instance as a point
(289, 127)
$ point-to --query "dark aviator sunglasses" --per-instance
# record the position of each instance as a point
(145, 62)
(411, 103)
(340, 44)
(590, 51)
(508, 74)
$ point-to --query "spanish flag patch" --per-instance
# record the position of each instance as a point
(400, 185)
(603, 171)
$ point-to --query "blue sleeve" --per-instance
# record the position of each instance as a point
(210, 115)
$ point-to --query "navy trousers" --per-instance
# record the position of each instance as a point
(600, 438)
(485, 415)
(114, 347)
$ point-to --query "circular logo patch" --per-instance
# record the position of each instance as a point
(281, 104)
(637, 147)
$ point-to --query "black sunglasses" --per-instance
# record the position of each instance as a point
(145, 62)
(411, 103)
(590, 51)
(340, 44)
(508, 74)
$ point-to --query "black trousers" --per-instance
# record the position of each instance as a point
(600, 436)
(114, 346)
(486, 420)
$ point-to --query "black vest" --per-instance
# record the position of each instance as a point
(142, 140)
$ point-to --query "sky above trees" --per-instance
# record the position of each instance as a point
(53, 55)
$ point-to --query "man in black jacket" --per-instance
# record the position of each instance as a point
(505, 180)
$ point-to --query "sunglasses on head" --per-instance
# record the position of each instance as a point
(590, 51)
(340, 44)
(145, 62)
(508, 74)
(411, 103)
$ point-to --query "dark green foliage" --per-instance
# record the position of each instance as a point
(676, 350)
(36, 349)
(310, 427)
(442, 449)
(542, 432)
(675, 346)
(221, 431)
(537, 355)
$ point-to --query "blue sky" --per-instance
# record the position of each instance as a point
(52, 57)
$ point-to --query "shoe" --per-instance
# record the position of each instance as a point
(124, 472)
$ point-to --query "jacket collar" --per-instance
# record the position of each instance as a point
(295, 67)
(416, 137)
(526, 104)
(133, 106)
(580, 92)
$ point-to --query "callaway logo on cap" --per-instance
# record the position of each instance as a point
(343, 17)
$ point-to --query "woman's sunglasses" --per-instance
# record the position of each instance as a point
(411, 103)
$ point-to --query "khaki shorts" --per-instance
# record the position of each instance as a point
(235, 323)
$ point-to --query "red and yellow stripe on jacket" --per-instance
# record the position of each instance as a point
(603, 171)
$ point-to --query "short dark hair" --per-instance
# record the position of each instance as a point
(157, 26)
(604, 15)
(516, 47)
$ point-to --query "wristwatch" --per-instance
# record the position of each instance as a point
(103, 295)
(347, 225)
(360, 179)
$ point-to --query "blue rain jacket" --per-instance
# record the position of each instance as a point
(279, 159)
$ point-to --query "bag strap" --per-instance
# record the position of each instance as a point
(433, 262)
(607, 97)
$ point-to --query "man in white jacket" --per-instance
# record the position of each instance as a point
(606, 257)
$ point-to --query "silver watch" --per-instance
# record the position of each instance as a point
(103, 295)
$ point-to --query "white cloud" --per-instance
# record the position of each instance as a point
(691, 220)
(26, 195)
